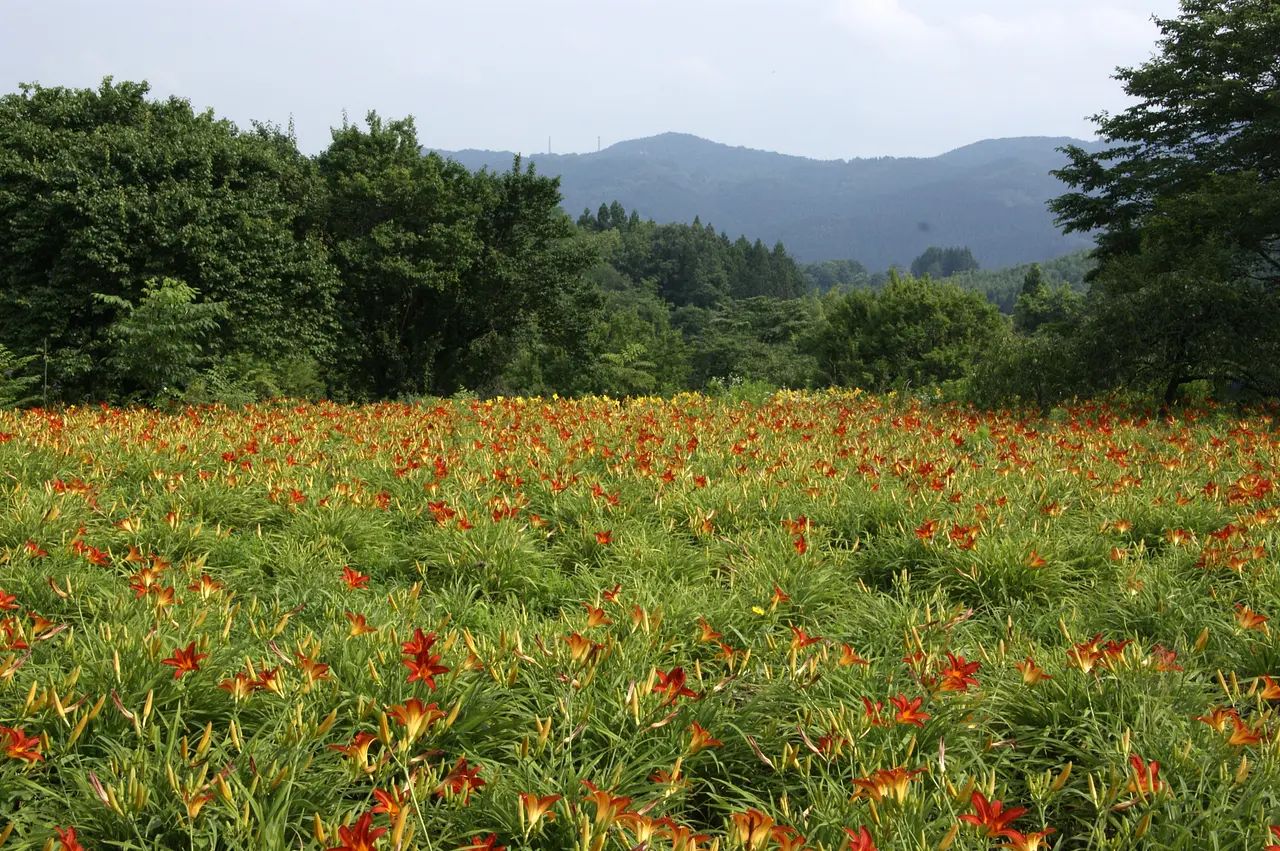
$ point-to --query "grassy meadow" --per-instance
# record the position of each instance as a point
(827, 621)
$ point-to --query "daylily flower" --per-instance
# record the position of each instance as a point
(534, 808)
(1031, 672)
(849, 657)
(991, 815)
(908, 710)
(354, 579)
(752, 829)
(1246, 735)
(390, 803)
(860, 840)
(67, 839)
(358, 751)
(1024, 841)
(21, 746)
(1249, 619)
(893, 783)
(1218, 718)
(415, 718)
(360, 837)
(461, 780)
(185, 661)
(701, 739)
(1145, 778)
(672, 684)
(359, 626)
(608, 806)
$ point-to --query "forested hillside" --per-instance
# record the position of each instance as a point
(989, 196)
(151, 254)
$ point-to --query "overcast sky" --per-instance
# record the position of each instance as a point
(819, 78)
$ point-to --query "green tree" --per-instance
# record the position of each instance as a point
(16, 383)
(444, 271)
(1186, 205)
(160, 344)
(103, 190)
(943, 262)
(913, 333)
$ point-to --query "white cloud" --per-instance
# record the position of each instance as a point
(878, 21)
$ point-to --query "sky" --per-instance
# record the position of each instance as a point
(830, 79)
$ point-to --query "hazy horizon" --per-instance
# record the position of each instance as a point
(825, 79)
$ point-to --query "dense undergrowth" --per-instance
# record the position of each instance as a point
(765, 624)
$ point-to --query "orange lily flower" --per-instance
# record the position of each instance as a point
(608, 806)
(596, 617)
(185, 661)
(1085, 656)
(67, 839)
(861, 840)
(604, 538)
(1218, 718)
(461, 780)
(849, 657)
(478, 844)
(240, 687)
(701, 739)
(752, 829)
(1249, 619)
(354, 579)
(672, 684)
(360, 837)
(20, 745)
(358, 751)
(533, 809)
(683, 838)
(1024, 841)
(1036, 560)
(991, 815)
(425, 670)
(415, 717)
(359, 626)
(708, 634)
(883, 783)
(958, 674)
(1031, 672)
(800, 639)
(1270, 688)
(390, 803)
(1145, 779)
(1245, 735)
(908, 710)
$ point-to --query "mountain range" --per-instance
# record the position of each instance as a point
(882, 211)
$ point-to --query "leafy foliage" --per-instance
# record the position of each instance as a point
(913, 333)
(160, 343)
(15, 383)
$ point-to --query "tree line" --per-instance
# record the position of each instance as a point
(152, 254)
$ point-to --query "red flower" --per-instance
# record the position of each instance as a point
(461, 780)
(21, 746)
(908, 710)
(67, 839)
(672, 683)
(185, 661)
(360, 837)
(604, 538)
(860, 841)
(355, 579)
(991, 816)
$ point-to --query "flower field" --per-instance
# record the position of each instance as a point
(825, 622)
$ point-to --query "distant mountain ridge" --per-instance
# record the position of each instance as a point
(989, 195)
